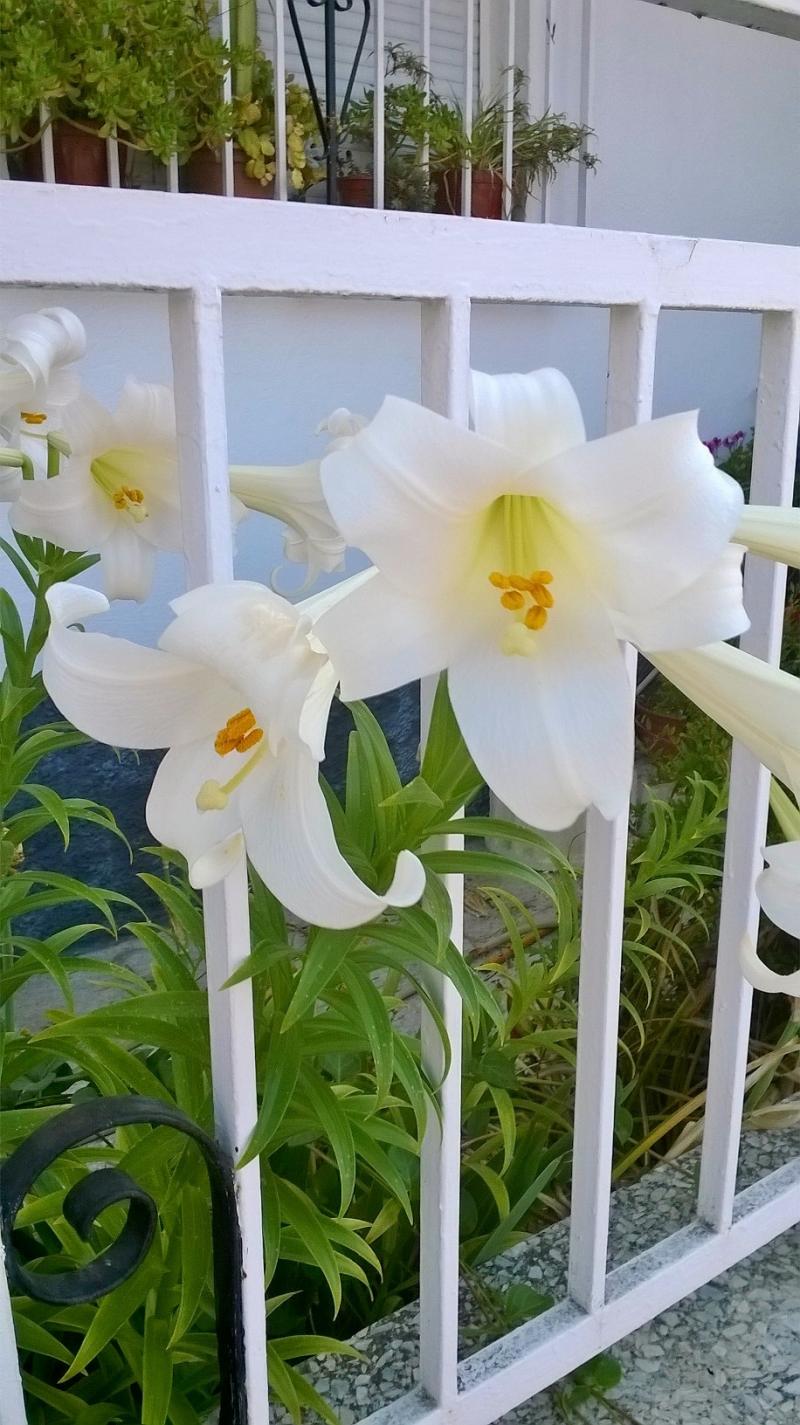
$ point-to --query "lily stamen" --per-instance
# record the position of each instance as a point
(214, 795)
(33, 418)
(239, 734)
(128, 499)
(517, 589)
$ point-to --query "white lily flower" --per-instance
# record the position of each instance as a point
(778, 891)
(515, 557)
(759, 705)
(293, 494)
(771, 531)
(753, 701)
(119, 491)
(240, 693)
(36, 351)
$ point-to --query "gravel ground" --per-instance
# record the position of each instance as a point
(727, 1355)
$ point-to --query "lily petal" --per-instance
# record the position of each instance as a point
(648, 508)
(290, 842)
(412, 489)
(256, 642)
(123, 694)
(86, 427)
(707, 611)
(145, 416)
(536, 415)
(128, 564)
(761, 977)
(379, 638)
(754, 702)
(39, 342)
(69, 512)
(10, 483)
(778, 887)
(551, 733)
(772, 532)
(211, 841)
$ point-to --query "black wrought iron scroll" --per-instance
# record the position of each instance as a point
(86, 1123)
(329, 118)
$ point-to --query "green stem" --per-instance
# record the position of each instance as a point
(53, 458)
(16, 460)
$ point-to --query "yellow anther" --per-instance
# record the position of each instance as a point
(239, 734)
(526, 596)
(33, 418)
(512, 599)
(130, 498)
(543, 596)
(241, 722)
(250, 739)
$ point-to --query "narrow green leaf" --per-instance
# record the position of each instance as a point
(374, 1017)
(196, 1240)
(156, 1370)
(112, 1313)
(325, 951)
(280, 1071)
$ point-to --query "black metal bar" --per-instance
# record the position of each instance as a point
(86, 1123)
(331, 120)
(329, 117)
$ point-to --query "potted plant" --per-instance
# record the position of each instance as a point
(250, 122)
(144, 74)
(539, 145)
(407, 184)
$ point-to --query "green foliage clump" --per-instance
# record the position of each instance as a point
(418, 120)
(150, 73)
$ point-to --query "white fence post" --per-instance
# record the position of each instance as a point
(631, 364)
(12, 1403)
(774, 454)
(445, 388)
(379, 108)
(196, 336)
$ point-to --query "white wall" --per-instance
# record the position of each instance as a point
(697, 128)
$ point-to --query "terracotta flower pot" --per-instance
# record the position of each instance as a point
(202, 173)
(79, 157)
(356, 190)
(487, 192)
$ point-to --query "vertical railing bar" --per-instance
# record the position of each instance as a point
(227, 95)
(379, 137)
(426, 60)
(281, 174)
(629, 395)
(546, 94)
(197, 353)
(112, 162)
(469, 104)
(777, 412)
(13, 1405)
(48, 154)
(173, 175)
(508, 117)
(586, 105)
(445, 388)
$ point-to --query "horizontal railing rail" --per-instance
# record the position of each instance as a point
(199, 250)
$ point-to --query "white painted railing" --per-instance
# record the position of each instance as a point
(198, 251)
